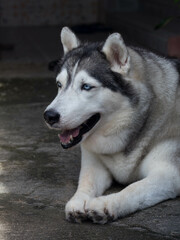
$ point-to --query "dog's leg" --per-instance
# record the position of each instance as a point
(161, 184)
(93, 181)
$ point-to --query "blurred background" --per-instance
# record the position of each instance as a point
(29, 29)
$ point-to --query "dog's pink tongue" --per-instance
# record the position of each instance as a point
(66, 135)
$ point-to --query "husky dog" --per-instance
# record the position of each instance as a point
(121, 104)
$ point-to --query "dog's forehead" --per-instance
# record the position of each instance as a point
(86, 55)
(85, 58)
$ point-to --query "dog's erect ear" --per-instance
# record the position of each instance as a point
(68, 39)
(117, 53)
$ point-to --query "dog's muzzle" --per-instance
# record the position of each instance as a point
(71, 137)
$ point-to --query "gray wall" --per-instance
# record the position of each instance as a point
(47, 12)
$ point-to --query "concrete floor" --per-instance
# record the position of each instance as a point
(37, 177)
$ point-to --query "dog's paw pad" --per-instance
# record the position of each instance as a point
(96, 217)
(70, 217)
(76, 216)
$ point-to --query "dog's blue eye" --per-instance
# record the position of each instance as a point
(86, 87)
(59, 85)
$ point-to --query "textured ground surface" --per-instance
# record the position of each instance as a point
(37, 177)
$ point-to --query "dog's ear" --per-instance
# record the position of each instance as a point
(68, 39)
(117, 53)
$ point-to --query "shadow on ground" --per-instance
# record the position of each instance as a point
(37, 177)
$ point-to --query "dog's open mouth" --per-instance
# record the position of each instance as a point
(72, 137)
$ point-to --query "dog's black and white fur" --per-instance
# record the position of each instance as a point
(122, 104)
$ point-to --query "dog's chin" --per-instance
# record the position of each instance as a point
(71, 137)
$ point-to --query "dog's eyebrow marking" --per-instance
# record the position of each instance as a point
(62, 77)
(74, 70)
(71, 74)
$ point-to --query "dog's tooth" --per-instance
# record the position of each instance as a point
(71, 137)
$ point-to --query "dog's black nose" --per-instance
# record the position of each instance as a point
(51, 117)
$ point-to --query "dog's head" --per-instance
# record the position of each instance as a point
(90, 85)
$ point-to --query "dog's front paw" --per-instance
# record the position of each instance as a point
(75, 208)
(101, 210)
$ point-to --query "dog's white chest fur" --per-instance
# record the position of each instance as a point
(120, 167)
(106, 149)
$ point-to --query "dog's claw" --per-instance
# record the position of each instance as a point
(76, 217)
